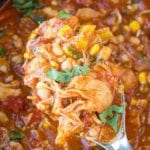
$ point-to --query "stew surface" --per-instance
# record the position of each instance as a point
(22, 125)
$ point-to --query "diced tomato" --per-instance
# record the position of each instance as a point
(14, 104)
(31, 117)
(86, 118)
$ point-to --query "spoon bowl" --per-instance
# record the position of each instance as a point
(120, 142)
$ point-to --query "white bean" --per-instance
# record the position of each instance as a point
(67, 64)
(15, 146)
(3, 117)
(57, 49)
(17, 41)
(4, 68)
(9, 79)
(17, 59)
(134, 40)
(43, 93)
(40, 85)
(50, 12)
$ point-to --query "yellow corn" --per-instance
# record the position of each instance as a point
(27, 55)
(126, 28)
(94, 49)
(32, 36)
(54, 64)
(105, 53)
(134, 25)
(133, 102)
(142, 77)
(82, 43)
(45, 123)
(64, 30)
(87, 28)
(23, 128)
(105, 34)
(67, 51)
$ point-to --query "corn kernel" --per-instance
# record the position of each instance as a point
(94, 49)
(134, 25)
(54, 64)
(67, 51)
(55, 111)
(105, 53)
(87, 29)
(105, 34)
(45, 123)
(32, 36)
(64, 30)
(126, 28)
(82, 43)
(142, 78)
(23, 128)
(27, 55)
(133, 102)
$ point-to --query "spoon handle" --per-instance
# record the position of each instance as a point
(121, 144)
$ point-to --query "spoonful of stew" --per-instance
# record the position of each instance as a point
(72, 80)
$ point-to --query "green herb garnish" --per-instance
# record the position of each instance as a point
(59, 76)
(26, 6)
(39, 19)
(80, 70)
(64, 14)
(2, 52)
(2, 33)
(16, 135)
(109, 117)
(75, 53)
(66, 76)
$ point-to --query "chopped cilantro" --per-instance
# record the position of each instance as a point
(75, 53)
(2, 33)
(39, 19)
(64, 14)
(16, 135)
(80, 70)
(66, 76)
(114, 122)
(26, 6)
(59, 76)
(2, 52)
(108, 116)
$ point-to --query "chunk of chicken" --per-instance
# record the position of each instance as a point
(97, 92)
(10, 89)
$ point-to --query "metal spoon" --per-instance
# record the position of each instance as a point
(120, 142)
